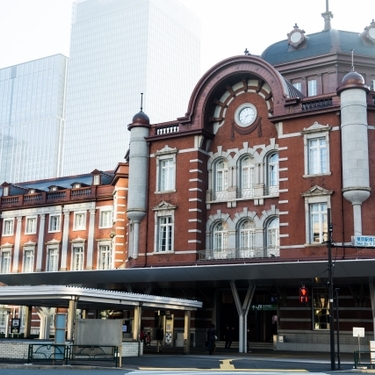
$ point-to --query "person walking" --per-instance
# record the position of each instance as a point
(211, 339)
(228, 336)
(159, 338)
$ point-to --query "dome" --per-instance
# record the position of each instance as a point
(352, 80)
(318, 44)
(140, 119)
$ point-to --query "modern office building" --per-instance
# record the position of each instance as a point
(120, 49)
(32, 98)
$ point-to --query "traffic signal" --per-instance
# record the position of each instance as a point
(303, 294)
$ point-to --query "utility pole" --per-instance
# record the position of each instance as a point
(330, 291)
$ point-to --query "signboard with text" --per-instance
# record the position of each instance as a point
(365, 241)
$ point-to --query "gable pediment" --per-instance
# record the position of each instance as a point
(163, 205)
(316, 191)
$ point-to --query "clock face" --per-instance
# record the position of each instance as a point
(371, 32)
(245, 115)
(296, 37)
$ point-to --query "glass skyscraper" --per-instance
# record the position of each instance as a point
(32, 119)
(120, 49)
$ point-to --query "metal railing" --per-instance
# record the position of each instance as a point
(364, 358)
(238, 253)
(73, 354)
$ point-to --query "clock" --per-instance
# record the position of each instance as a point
(245, 114)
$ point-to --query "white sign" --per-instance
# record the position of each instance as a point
(358, 332)
(372, 352)
(364, 241)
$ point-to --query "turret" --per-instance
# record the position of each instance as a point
(354, 137)
(137, 184)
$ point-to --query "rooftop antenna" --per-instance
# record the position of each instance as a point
(352, 51)
(141, 101)
(327, 15)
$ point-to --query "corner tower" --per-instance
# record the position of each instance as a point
(138, 172)
(354, 138)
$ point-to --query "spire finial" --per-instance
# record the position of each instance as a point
(141, 101)
(352, 51)
(327, 15)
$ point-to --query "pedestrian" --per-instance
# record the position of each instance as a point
(159, 339)
(211, 339)
(228, 337)
(148, 339)
(142, 335)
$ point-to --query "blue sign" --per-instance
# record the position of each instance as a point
(364, 241)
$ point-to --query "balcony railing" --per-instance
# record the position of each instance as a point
(238, 253)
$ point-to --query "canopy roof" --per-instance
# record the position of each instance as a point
(60, 295)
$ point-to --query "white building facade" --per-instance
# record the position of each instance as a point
(120, 49)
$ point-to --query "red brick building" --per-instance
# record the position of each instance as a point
(263, 186)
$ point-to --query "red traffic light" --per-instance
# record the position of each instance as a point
(303, 294)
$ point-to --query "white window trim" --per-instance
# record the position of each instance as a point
(7, 250)
(162, 210)
(35, 221)
(78, 244)
(313, 132)
(103, 210)
(75, 225)
(164, 154)
(313, 196)
(49, 223)
(27, 249)
(109, 244)
(11, 233)
(48, 249)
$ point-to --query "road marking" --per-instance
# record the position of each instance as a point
(226, 364)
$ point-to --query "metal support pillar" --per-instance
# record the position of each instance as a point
(187, 319)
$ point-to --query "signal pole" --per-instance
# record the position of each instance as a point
(330, 291)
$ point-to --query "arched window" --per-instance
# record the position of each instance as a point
(246, 239)
(273, 240)
(246, 177)
(219, 240)
(221, 179)
(273, 173)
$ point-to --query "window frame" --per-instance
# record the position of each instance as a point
(312, 87)
(166, 182)
(50, 222)
(220, 179)
(8, 229)
(108, 222)
(6, 254)
(79, 225)
(164, 210)
(314, 132)
(28, 264)
(247, 251)
(108, 252)
(273, 175)
(49, 249)
(247, 191)
(78, 254)
(322, 224)
(272, 239)
(31, 223)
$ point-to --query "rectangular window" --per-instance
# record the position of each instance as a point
(52, 259)
(78, 256)
(165, 232)
(105, 257)
(30, 225)
(318, 222)
(79, 221)
(105, 219)
(5, 261)
(28, 260)
(8, 225)
(317, 154)
(3, 319)
(311, 87)
(54, 223)
(166, 174)
(298, 85)
(321, 308)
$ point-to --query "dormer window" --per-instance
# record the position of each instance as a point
(76, 185)
(5, 191)
(32, 191)
(53, 188)
(96, 179)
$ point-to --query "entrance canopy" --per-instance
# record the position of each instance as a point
(86, 298)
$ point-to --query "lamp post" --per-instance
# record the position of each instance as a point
(330, 291)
